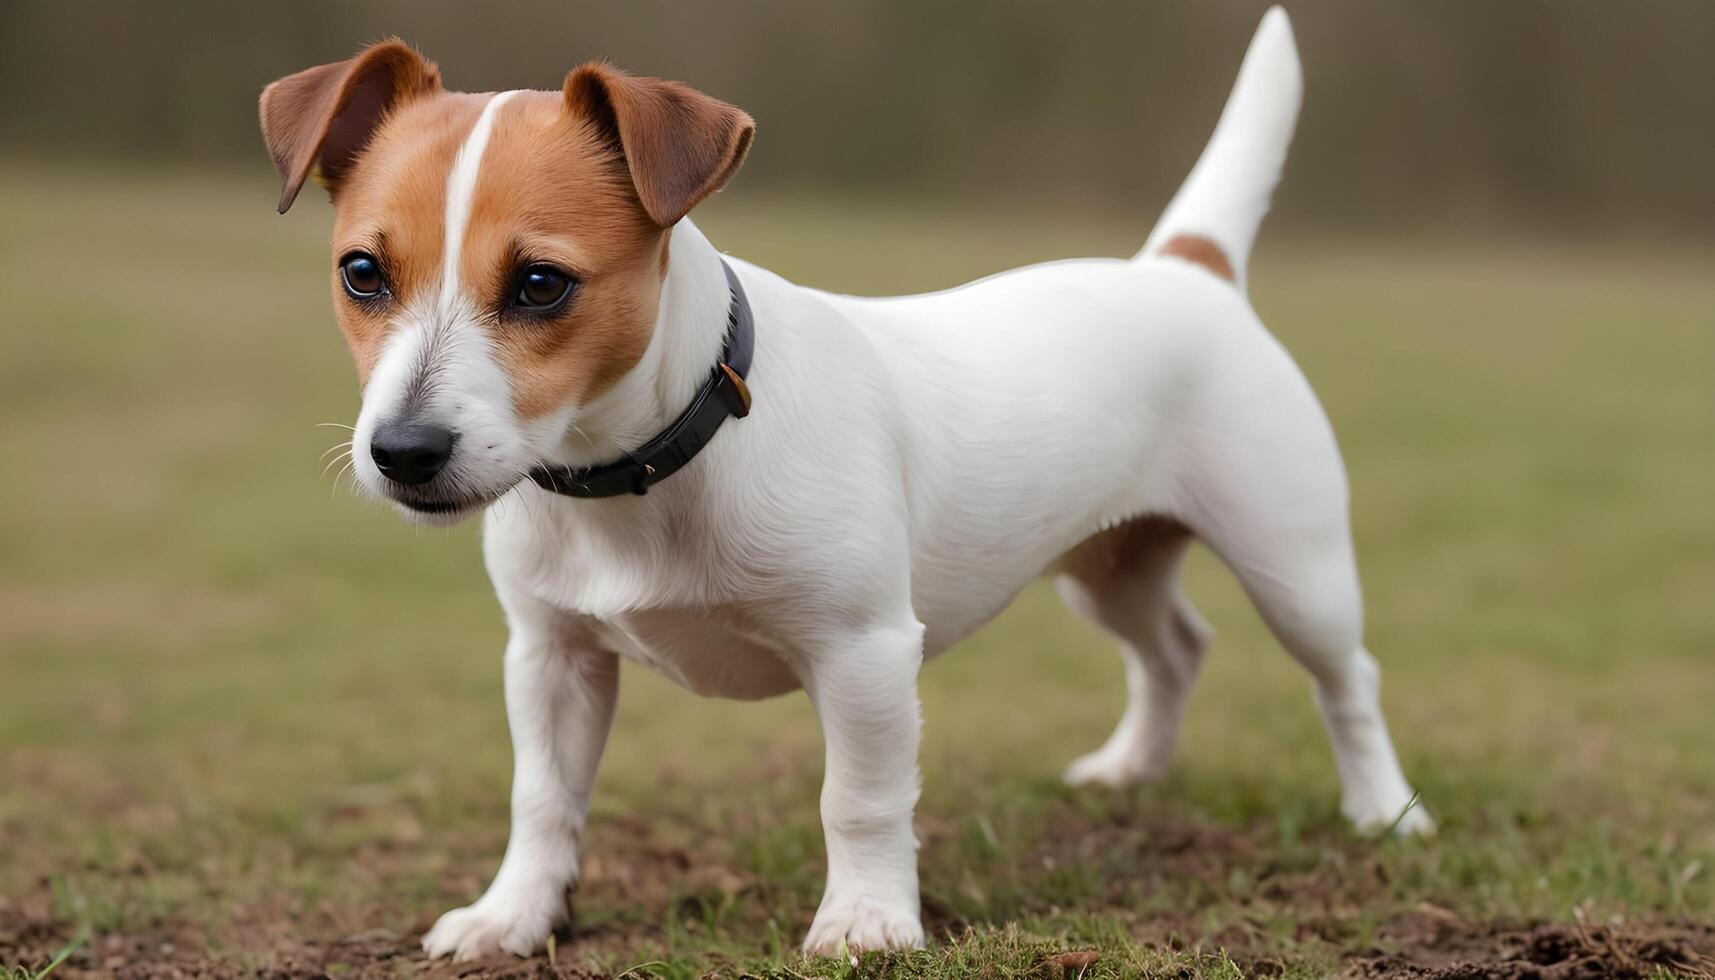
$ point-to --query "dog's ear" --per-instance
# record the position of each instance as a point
(322, 117)
(679, 144)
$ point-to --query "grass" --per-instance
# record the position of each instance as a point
(20, 972)
(240, 708)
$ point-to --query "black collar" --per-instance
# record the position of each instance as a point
(725, 393)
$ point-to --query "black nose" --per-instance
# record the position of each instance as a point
(411, 452)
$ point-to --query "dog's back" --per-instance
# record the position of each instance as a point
(1092, 383)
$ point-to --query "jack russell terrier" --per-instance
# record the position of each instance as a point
(753, 487)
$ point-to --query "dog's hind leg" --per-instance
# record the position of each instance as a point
(1276, 514)
(1310, 599)
(1124, 580)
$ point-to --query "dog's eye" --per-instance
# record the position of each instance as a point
(362, 275)
(542, 287)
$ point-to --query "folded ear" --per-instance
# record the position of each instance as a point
(680, 145)
(323, 116)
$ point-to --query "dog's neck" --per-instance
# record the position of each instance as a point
(690, 327)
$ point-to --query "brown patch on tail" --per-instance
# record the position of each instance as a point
(1204, 252)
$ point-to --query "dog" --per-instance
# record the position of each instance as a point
(754, 487)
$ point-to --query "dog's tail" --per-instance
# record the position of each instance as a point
(1213, 219)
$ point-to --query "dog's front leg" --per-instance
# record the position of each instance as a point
(864, 687)
(561, 688)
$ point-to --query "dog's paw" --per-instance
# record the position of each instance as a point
(1112, 766)
(491, 926)
(1407, 819)
(1416, 823)
(863, 925)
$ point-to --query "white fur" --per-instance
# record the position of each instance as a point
(1227, 193)
(461, 192)
(910, 465)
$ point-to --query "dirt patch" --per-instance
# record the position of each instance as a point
(1434, 944)
(1131, 844)
(1422, 946)
(31, 939)
(637, 870)
(1171, 886)
(1429, 945)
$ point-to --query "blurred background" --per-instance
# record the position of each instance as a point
(1532, 115)
(243, 711)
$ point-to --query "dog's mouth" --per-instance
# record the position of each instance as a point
(441, 509)
(440, 506)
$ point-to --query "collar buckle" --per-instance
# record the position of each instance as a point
(735, 391)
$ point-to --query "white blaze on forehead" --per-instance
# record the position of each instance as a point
(461, 190)
(436, 366)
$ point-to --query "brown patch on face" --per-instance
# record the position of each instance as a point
(553, 190)
(393, 205)
(549, 189)
(588, 181)
(1202, 251)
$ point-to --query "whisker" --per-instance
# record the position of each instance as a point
(540, 501)
(521, 494)
(336, 425)
(346, 457)
(349, 463)
(346, 445)
(532, 497)
(583, 435)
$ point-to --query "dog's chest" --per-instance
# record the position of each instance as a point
(651, 598)
(706, 651)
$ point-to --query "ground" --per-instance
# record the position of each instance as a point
(250, 725)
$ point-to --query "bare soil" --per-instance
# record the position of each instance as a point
(1435, 945)
(1126, 854)
(1425, 945)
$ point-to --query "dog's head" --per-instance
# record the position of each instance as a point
(497, 259)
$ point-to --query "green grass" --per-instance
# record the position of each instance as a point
(20, 972)
(236, 701)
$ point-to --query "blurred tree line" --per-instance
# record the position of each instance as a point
(1592, 116)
